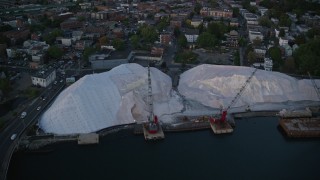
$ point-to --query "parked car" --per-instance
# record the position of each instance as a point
(38, 108)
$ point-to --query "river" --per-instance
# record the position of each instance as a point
(256, 150)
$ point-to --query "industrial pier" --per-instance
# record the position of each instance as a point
(220, 125)
(221, 128)
(148, 135)
(301, 127)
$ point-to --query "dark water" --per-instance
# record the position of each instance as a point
(256, 150)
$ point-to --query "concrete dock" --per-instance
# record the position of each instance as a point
(91, 138)
(301, 127)
(152, 136)
(221, 127)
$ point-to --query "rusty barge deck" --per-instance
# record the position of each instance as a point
(301, 127)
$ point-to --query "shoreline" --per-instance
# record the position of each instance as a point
(34, 143)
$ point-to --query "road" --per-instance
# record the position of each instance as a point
(18, 125)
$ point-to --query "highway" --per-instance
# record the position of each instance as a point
(18, 125)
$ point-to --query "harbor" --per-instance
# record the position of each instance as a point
(257, 145)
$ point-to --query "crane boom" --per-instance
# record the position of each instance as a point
(236, 98)
(315, 86)
(150, 100)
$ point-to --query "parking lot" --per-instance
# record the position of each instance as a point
(206, 57)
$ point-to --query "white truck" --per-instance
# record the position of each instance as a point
(23, 114)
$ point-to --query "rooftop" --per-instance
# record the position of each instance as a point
(43, 73)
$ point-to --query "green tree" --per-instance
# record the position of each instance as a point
(81, 18)
(5, 86)
(217, 29)
(134, 41)
(55, 52)
(235, 12)
(118, 44)
(182, 41)
(213, 3)
(257, 42)
(300, 39)
(4, 40)
(252, 57)
(186, 57)
(148, 33)
(313, 32)
(5, 28)
(176, 32)
(307, 58)
(242, 42)
(282, 33)
(284, 20)
(164, 22)
(289, 65)
(197, 8)
(103, 40)
(267, 3)
(36, 27)
(87, 52)
(236, 58)
(265, 21)
(206, 40)
(275, 54)
(51, 37)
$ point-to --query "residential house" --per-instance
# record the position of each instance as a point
(176, 22)
(302, 28)
(165, 38)
(159, 16)
(95, 30)
(251, 18)
(262, 10)
(268, 64)
(233, 39)
(64, 41)
(255, 34)
(85, 5)
(82, 44)
(157, 51)
(283, 41)
(191, 35)
(118, 32)
(216, 13)
(16, 35)
(275, 20)
(76, 35)
(36, 49)
(196, 21)
(234, 22)
(35, 37)
(260, 52)
(43, 77)
(70, 24)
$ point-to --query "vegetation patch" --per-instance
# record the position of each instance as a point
(186, 57)
(32, 92)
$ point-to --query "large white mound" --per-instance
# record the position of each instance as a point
(216, 86)
(112, 98)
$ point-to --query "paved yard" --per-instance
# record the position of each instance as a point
(206, 57)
